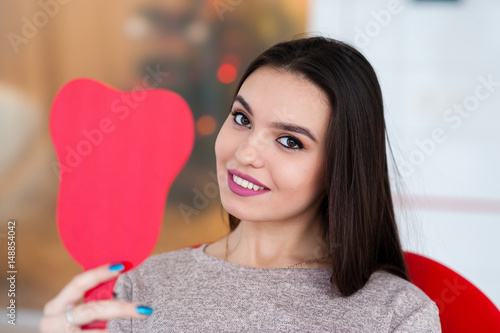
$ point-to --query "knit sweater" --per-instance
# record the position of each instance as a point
(191, 291)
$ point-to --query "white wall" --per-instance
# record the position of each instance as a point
(431, 58)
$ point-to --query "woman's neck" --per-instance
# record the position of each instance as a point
(275, 245)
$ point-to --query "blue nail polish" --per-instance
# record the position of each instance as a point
(117, 267)
(144, 310)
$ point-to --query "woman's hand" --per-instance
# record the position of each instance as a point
(61, 315)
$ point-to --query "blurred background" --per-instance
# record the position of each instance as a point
(437, 61)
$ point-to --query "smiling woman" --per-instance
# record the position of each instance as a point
(302, 171)
(267, 138)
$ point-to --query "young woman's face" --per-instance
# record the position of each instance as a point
(275, 134)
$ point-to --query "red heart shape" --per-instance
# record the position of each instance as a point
(118, 154)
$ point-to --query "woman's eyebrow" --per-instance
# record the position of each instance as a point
(278, 125)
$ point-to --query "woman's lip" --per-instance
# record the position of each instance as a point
(242, 191)
(247, 177)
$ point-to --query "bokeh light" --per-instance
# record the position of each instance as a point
(205, 125)
(227, 73)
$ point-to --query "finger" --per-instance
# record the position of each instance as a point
(89, 312)
(106, 310)
(79, 285)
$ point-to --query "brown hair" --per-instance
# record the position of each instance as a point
(358, 219)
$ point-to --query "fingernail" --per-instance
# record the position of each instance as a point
(117, 267)
(144, 310)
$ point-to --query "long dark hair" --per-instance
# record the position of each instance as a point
(358, 219)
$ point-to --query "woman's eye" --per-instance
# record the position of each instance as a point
(240, 118)
(290, 142)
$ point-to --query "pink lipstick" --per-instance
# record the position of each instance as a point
(244, 192)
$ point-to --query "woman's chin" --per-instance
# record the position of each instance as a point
(236, 210)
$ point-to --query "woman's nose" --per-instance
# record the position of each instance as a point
(251, 150)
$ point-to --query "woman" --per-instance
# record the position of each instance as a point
(302, 171)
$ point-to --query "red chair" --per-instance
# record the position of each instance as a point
(462, 306)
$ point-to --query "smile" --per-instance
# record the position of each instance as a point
(246, 184)
(244, 187)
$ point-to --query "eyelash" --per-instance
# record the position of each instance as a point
(299, 144)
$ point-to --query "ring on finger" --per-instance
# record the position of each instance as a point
(69, 316)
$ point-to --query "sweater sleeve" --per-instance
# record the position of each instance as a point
(123, 292)
(424, 318)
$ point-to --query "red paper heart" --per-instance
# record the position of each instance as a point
(118, 154)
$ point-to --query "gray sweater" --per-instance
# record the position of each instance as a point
(191, 291)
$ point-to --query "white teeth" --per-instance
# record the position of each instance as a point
(246, 184)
